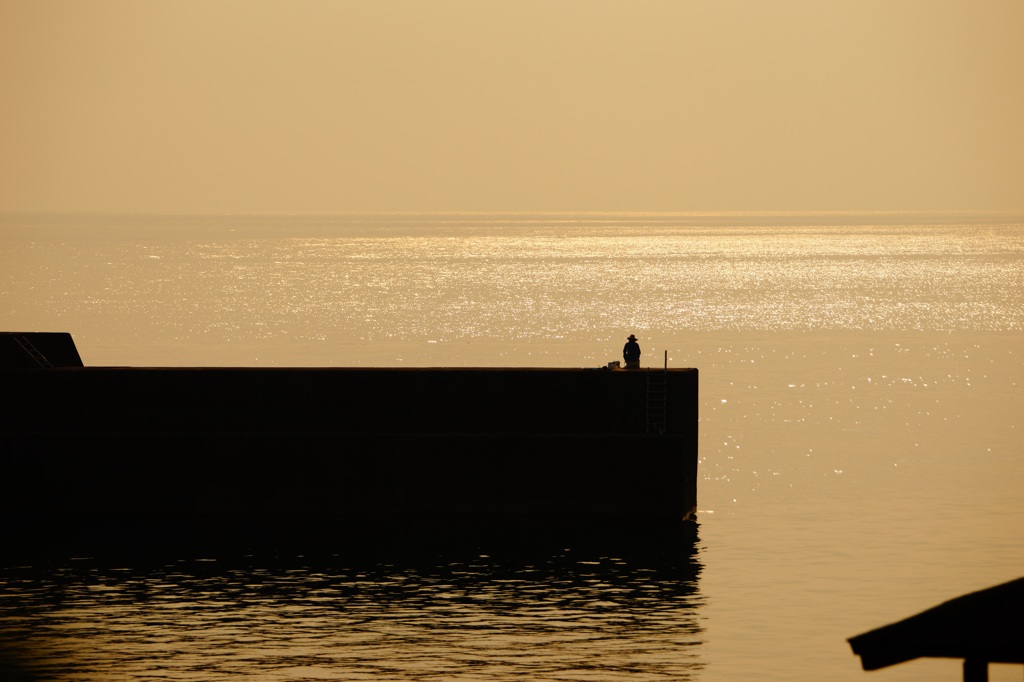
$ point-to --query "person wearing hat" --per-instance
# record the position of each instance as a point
(631, 353)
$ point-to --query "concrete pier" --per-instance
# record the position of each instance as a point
(244, 455)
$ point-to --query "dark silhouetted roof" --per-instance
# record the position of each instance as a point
(981, 626)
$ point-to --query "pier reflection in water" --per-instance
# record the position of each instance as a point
(482, 614)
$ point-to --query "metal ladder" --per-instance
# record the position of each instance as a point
(32, 351)
(657, 399)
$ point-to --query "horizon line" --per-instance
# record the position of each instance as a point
(753, 212)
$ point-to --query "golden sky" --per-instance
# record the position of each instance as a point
(525, 105)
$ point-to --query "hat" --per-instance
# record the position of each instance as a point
(631, 338)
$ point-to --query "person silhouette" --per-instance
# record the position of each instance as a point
(631, 353)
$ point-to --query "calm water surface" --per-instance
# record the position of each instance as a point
(860, 444)
(483, 616)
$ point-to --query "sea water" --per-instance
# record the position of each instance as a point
(860, 435)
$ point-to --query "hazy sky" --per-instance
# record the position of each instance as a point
(478, 105)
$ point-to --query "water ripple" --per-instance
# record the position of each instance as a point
(484, 618)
